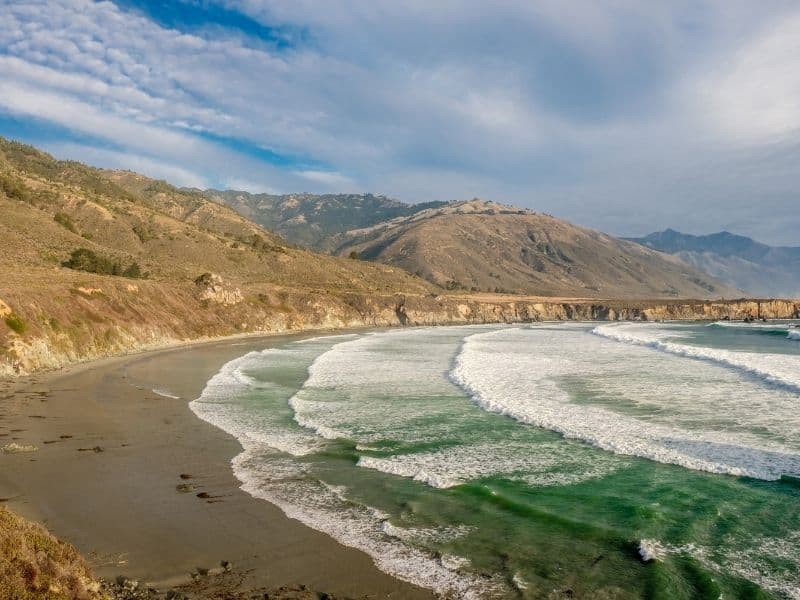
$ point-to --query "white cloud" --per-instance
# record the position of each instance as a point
(110, 159)
(754, 95)
(333, 180)
(603, 112)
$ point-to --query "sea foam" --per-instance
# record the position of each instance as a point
(777, 369)
(521, 373)
(268, 470)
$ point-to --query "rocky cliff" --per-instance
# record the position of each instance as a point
(49, 327)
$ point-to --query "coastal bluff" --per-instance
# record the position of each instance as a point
(47, 327)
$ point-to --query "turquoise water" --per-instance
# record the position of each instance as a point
(625, 460)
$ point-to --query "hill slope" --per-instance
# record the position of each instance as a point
(96, 263)
(180, 243)
(738, 260)
(485, 246)
(312, 220)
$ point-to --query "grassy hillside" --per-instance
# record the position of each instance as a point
(485, 246)
(52, 209)
(35, 565)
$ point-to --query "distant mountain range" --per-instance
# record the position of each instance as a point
(476, 245)
(738, 260)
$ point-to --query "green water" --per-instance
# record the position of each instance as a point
(393, 443)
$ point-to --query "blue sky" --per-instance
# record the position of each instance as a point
(624, 116)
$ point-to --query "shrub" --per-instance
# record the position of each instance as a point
(133, 271)
(64, 220)
(260, 244)
(14, 188)
(87, 260)
(84, 259)
(353, 254)
(16, 324)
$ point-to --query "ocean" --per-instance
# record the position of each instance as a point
(553, 460)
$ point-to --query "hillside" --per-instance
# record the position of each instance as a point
(312, 220)
(51, 207)
(485, 246)
(200, 268)
(738, 260)
(96, 263)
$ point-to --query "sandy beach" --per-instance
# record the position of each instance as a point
(114, 438)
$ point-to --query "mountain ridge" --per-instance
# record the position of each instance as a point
(311, 219)
(512, 254)
(739, 260)
(71, 233)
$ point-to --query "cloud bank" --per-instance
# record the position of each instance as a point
(624, 116)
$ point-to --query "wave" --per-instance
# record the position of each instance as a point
(371, 389)
(538, 465)
(518, 374)
(267, 470)
(777, 369)
(783, 329)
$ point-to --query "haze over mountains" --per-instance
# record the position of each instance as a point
(749, 265)
(477, 246)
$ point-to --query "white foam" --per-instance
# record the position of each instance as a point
(519, 373)
(743, 325)
(358, 527)
(425, 534)
(772, 563)
(779, 369)
(794, 334)
(651, 550)
(374, 387)
(534, 464)
(285, 482)
(519, 582)
(216, 406)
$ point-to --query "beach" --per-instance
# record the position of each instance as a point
(144, 489)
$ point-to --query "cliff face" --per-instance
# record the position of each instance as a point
(52, 326)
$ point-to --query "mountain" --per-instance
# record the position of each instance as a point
(97, 263)
(311, 220)
(772, 271)
(485, 246)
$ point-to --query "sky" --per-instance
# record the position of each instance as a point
(625, 116)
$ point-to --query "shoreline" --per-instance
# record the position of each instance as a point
(118, 448)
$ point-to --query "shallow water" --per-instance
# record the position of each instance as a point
(620, 460)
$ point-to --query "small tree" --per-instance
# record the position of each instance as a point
(354, 255)
(133, 271)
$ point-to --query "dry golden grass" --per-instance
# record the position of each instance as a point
(34, 565)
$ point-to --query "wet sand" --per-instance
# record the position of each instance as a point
(110, 457)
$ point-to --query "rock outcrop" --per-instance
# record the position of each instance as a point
(211, 288)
